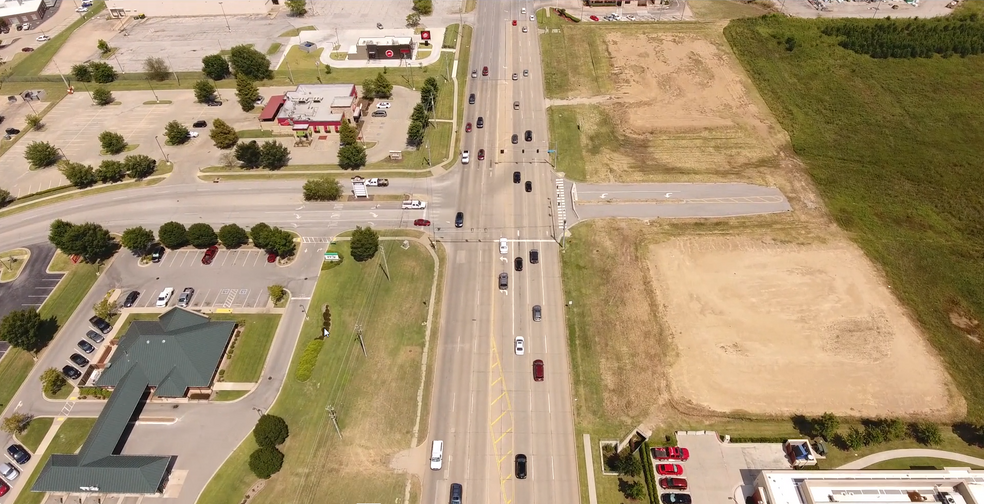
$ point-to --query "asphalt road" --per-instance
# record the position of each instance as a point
(33, 285)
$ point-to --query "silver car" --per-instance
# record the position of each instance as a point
(185, 299)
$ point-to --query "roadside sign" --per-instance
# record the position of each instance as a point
(389, 54)
(425, 35)
(332, 256)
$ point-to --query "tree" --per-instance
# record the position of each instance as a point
(52, 381)
(110, 170)
(89, 240)
(428, 94)
(104, 309)
(265, 462)
(632, 490)
(102, 73)
(57, 232)
(364, 244)
(102, 96)
(137, 239)
(248, 153)
(34, 121)
(629, 464)
(173, 235)
(139, 166)
(277, 292)
(5, 197)
(201, 235)
(16, 423)
(246, 92)
(424, 7)
(103, 46)
(112, 143)
(223, 135)
(322, 189)
(78, 174)
(926, 433)
(176, 133)
(81, 72)
(233, 236)
(432, 83)
(352, 157)
(281, 243)
(415, 134)
(270, 431)
(296, 8)
(260, 233)
(413, 20)
(250, 63)
(854, 439)
(347, 134)
(383, 88)
(215, 67)
(23, 329)
(204, 91)
(419, 114)
(274, 155)
(369, 88)
(41, 154)
(156, 69)
(825, 425)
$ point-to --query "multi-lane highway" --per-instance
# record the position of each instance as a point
(487, 408)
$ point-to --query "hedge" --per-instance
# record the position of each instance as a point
(308, 359)
(762, 439)
(647, 470)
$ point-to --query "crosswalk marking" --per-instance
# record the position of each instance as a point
(561, 203)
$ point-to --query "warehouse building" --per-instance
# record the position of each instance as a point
(318, 106)
(16, 13)
(174, 8)
(947, 486)
(382, 48)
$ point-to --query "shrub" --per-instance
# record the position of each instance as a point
(223, 135)
(41, 154)
(173, 235)
(326, 319)
(78, 174)
(305, 366)
(265, 462)
(139, 166)
(102, 96)
(201, 235)
(112, 143)
(233, 236)
(277, 293)
(927, 433)
(156, 68)
(270, 431)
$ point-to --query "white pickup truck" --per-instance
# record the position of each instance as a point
(414, 205)
(377, 182)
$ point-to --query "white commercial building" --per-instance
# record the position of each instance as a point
(172, 8)
(19, 12)
(948, 486)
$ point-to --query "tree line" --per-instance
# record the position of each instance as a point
(909, 38)
(420, 118)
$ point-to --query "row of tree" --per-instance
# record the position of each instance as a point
(420, 118)
(270, 432)
(136, 166)
(351, 153)
(909, 38)
(174, 235)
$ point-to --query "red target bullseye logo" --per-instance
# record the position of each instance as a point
(389, 54)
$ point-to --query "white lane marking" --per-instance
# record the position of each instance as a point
(454, 397)
(552, 476)
(548, 403)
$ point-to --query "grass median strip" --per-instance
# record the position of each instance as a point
(251, 347)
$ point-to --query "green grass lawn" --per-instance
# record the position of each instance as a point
(578, 62)
(296, 31)
(229, 395)
(35, 432)
(920, 463)
(251, 347)
(375, 398)
(893, 145)
(69, 439)
(15, 259)
(62, 394)
(450, 36)
(566, 138)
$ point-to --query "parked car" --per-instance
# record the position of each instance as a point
(421, 222)
(272, 257)
(9, 472)
(520, 466)
(43, 38)
(669, 469)
(594, 18)
(95, 337)
(79, 360)
(71, 373)
(210, 255)
(673, 483)
(520, 345)
(130, 299)
(82, 9)
(185, 298)
(18, 453)
(165, 297)
(85, 346)
(379, 113)
(675, 498)
(4, 488)
(98, 322)
(538, 370)
(383, 105)
(192, 134)
(199, 124)
(214, 103)
(157, 253)
(671, 453)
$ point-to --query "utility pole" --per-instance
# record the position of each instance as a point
(172, 70)
(382, 250)
(60, 74)
(358, 330)
(563, 237)
(290, 74)
(117, 58)
(334, 419)
(152, 91)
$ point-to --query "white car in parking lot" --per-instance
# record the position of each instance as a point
(383, 105)
(192, 134)
(9, 472)
(165, 297)
(43, 38)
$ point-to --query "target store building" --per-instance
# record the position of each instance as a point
(383, 48)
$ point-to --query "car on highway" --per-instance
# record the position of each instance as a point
(465, 157)
(523, 10)
(537, 313)
(485, 71)
(459, 219)
(8, 472)
(515, 105)
(421, 222)
(518, 264)
(594, 18)
(95, 337)
(515, 76)
(70, 372)
(468, 128)
(503, 246)
(669, 469)
(520, 345)
(18, 453)
(471, 99)
(503, 281)
(43, 38)
(514, 22)
(671, 453)
(538, 370)
(515, 139)
(474, 73)
(165, 297)
(27, 49)
(529, 186)
(534, 256)
(480, 122)
(185, 298)
(481, 154)
(526, 73)
(130, 299)
(455, 493)
(79, 360)
(526, 30)
(520, 466)
(98, 322)
(199, 124)
(82, 9)
(210, 255)
(383, 105)
(85, 346)
(532, 17)
(517, 177)
(529, 135)
(272, 257)
(675, 498)
(673, 483)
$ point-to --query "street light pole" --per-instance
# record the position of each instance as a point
(225, 17)
(152, 91)
(172, 70)
(60, 73)
(117, 58)
(166, 160)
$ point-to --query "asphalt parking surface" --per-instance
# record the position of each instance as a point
(717, 471)
(34, 284)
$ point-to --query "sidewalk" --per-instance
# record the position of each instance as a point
(873, 459)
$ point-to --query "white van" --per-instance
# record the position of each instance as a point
(437, 455)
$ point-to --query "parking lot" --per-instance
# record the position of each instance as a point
(33, 285)
(718, 471)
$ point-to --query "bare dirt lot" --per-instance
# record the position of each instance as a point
(780, 329)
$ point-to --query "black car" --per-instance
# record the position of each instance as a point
(520, 466)
(529, 136)
(12, 131)
(18, 453)
(199, 124)
(100, 324)
(157, 253)
(534, 256)
(529, 186)
(517, 177)
(471, 99)
(130, 299)
(78, 360)
(480, 122)
(455, 493)
(515, 139)
(459, 220)
(71, 372)
(676, 498)
(214, 103)
(94, 336)
(86, 347)
(518, 264)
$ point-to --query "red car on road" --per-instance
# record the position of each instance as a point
(671, 453)
(481, 154)
(421, 222)
(468, 128)
(673, 483)
(669, 469)
(538, 370)
(210, 254)
(594, 18)
(485, 71)
(514, 22)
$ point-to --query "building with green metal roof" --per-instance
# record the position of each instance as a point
(172, 355)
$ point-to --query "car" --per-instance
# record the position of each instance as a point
(526, 30)
(27, 49)
(95, 337)
(98, 322)
(517, 177)
(157, 253)
(43, 38)
(12, 131)
(455, 493)
(503, 281)
(378, 113)
(515, 105)
(192, 134)
(421, 222)
(534, 256)
(529, 135)
(532, 17)
(79, 360)
(481, 154)
(465, 157)
(474, 73)
(526, 73)
(459, 220)
(199, 124)
(675, 498)
(669, 469)
(514, 22)
(18, 453)
(85, 346)
(671, 453)
(82, 9)
(538, 370)
(480, 122)
(165, 297)
(272, 257)
(594, 18)
(70, 372)
(379, 25)
(130, 299)
(673, 483)
(518, 264)
(210, 255)
(9, 472)
(185, 298)
(537, 313)
(522, 10)
(503, 246)
(520, 466)
(383, 105)
(471, 99)
(529, 186)
(468, 128)
(4, 488)
(515, 76)
(214, 103)
(520, 345)
(485, 71)
(515, 139)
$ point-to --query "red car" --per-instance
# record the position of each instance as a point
(26, 49)
(673, 483)
(485, 71)
(4, 488)
(468, 128)
(481, 154)
(422, 222)
(514, 22)
(210, 254)
(271, 257)
(669, 469)
(671, 453)
(594, 18)
(538, 370)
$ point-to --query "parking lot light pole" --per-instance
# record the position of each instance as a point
(166, 160)
(225, 17)
(152, 91)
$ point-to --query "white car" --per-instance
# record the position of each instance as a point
(383, 105)
(525, 29)
(43, 38)
(82, 9)
(465, 157)
(9, 472)
(165, 297)
(192, 134)
(503, 246)
(520, 345)
(523, 10)
(532, 17)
